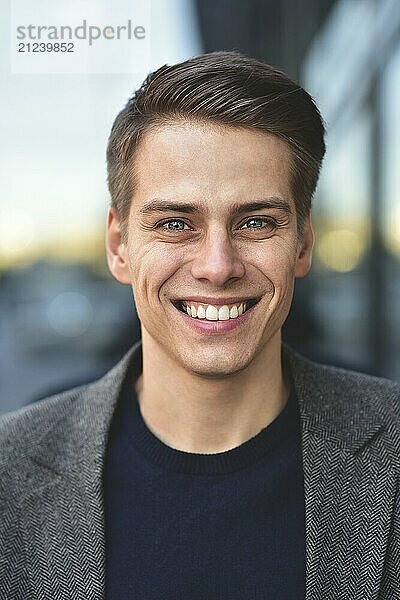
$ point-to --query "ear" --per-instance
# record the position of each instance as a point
(117, 256)
(305, 248)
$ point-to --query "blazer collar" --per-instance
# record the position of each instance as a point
(333, 406)
(77, 441)
(333, 413)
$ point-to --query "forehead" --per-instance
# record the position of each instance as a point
(211, 163)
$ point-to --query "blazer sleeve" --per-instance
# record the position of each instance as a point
(13, 576)
(390, 585)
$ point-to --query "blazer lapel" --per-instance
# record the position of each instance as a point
(349, 488)
(62, 524)
(62, 519)
(349, 501)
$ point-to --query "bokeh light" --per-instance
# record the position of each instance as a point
(341, 249)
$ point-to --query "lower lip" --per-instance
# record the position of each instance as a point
(211, 327)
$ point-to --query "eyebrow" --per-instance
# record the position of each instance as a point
(158, 205)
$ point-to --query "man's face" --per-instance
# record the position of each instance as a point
(219, 249)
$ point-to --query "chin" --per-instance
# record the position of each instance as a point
(218, 371)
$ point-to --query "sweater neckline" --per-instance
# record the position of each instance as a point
(144, 441)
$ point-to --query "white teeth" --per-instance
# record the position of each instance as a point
(223, 313)
(233, 312)
(211, 313)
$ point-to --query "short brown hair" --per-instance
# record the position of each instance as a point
(226, 88)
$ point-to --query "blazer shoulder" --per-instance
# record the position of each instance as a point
(21, 430)
(347, 396)
(48, 426)
(348, 376)
(340, 380)
(383, 392)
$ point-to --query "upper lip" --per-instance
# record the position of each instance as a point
(215, 301)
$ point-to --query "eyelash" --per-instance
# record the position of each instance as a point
(268, 220)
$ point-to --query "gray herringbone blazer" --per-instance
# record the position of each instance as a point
(51, 503)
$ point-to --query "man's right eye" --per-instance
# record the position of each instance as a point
(178, 225)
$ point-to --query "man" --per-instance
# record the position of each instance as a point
(213, 461)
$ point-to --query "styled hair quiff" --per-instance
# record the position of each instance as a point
(225, 88)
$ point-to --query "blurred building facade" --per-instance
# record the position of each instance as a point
(63, 323)
(353, 69)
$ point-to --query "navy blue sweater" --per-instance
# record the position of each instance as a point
(195, 526)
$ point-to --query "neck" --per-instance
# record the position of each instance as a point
(199, 415)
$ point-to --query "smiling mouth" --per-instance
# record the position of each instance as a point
(208, 312)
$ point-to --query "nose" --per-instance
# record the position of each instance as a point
(217, 260)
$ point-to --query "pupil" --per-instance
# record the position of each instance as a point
(178, 223)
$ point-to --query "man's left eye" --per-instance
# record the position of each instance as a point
(261, 222)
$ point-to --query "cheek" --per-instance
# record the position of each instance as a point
(151, 266)
(277, 262)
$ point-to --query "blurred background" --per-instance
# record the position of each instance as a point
(65, 321)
